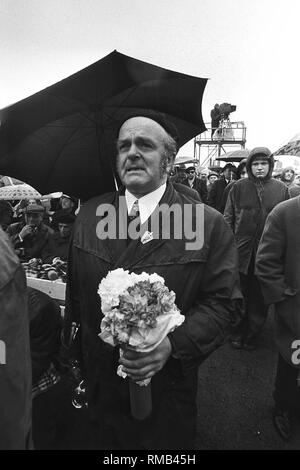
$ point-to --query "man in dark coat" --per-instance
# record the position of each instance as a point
(278, 270)
(30, 237)
(58, 242)
(196, 183)
(204, 278)
(249, 202)
(15, 364)
(215, 198)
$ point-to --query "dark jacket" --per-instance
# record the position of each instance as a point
(215, 198)
(45, 327)
(200, 186)
(15, 368)
(32, 245)
(278, 270)
(249, 202)
(206, 285)
(55, 246)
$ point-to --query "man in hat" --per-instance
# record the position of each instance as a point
(193, 182)
(212, 177)
(204, 280)
(30, 237)
(68, 205)
(215, 198)
(58, 243)
(249, 202)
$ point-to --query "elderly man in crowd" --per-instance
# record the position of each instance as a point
(29, 238)
(204, 278)
(196, 183)
(215, 198)
(249, 202)
(67, 206)
(58, 242)
(278, 271)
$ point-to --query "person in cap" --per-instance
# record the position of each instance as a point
(248, 204)
(241, 172)
(212, 177)
(215, 198)
(193, 182)
(204, 279)
(30, 237)
(68, 205)
(57, 245)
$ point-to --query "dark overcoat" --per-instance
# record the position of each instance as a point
(15, 363)
(278, 270)
(248, 204)
(205, 281)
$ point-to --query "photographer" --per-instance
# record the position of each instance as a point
(30, 237)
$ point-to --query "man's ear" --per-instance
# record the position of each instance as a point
(170, 162)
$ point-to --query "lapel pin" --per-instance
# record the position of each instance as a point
(147, 237)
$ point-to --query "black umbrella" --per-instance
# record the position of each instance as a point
(235, 156)
(62, 138)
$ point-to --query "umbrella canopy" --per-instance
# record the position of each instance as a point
(19, 191)
(185, 160)
(292, 147)
(62, 138)
(8, 181)
(235, 156)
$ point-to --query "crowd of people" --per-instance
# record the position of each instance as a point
(247, 262)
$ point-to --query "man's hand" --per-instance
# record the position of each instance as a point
(27, 230)
(141, 366)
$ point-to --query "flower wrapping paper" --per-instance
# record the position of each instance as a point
(139, 310)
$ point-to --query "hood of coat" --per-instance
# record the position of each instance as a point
(265, 153)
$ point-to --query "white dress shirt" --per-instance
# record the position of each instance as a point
(147, 203)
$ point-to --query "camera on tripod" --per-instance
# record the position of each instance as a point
(226, 109)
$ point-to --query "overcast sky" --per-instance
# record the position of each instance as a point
(249, 49)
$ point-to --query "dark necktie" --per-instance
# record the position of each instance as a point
(134, 214)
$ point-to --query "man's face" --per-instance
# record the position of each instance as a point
(142, 162)
(212, 179)
(260, 168)
(191, 174)
(34, 219)
(288, 175)
(66, 203)
(65, 230)
(227, 173)
(203, 176)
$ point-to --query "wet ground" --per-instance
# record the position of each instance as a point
(235, 399)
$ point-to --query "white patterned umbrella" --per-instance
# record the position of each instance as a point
(19, 191)
(292, 147)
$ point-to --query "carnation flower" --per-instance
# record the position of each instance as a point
(139, 310)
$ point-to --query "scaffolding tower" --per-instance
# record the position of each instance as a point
(214, 143)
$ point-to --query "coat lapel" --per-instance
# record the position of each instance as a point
(131, 254)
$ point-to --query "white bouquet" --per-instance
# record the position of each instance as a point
(139, 310)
